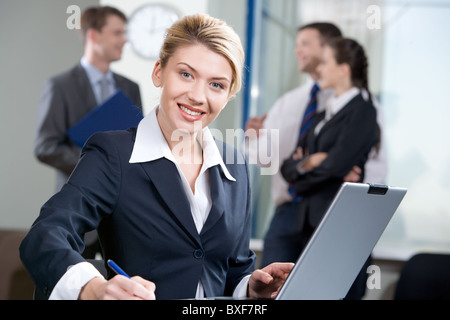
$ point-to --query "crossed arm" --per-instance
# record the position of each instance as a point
(314, 160)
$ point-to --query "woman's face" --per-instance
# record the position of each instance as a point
(195, 88)
(330, 72)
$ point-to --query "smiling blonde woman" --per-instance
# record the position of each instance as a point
(179, 229)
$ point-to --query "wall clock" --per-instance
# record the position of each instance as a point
(147, 26)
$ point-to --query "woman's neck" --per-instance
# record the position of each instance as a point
(342, 87)
(187, 150)
(188, 154)
(185, 146)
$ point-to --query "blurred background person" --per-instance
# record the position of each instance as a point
(339, 139)
(68, 97)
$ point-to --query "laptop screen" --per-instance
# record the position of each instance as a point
(342, 242)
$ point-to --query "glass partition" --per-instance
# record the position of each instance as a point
(407, 43)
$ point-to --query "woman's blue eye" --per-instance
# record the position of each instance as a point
(217, 85)
(186, 74)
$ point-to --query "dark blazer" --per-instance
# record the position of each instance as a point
(144, 222)
(347, 138)
(66, 98)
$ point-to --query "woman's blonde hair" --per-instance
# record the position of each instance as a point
(213, 33)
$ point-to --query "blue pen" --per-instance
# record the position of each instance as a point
(116, 268)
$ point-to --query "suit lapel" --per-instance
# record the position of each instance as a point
(167, 181)
(217, 198)
(84, 88)
(311, 137)
(341, 113)
(162, 171)
(120, 84)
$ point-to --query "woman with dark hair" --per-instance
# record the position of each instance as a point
(340, 137)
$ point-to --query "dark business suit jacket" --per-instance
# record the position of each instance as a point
(347, 138)
(144, 222)
(66, 98)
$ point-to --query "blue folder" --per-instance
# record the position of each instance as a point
(116, 113)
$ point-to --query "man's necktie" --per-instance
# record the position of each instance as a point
(104, 89)
(310, 112)
(308, 118)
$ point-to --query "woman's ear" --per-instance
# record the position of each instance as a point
(157, 74)
(345, 69)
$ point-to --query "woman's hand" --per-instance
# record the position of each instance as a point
(354, 175)
(313, 161)
(265, 283)
(118, 288)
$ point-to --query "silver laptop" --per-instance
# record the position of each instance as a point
(342, 242)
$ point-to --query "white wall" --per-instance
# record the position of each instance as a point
(35, 44)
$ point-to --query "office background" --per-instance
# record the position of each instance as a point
(407, 43)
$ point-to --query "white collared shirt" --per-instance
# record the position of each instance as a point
(150, 145)
(95, 76)
(335, 104)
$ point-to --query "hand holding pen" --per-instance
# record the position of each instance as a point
(120, 287)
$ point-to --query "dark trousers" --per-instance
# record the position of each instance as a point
(288, 235)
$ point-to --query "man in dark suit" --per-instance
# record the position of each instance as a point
(68, 97)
